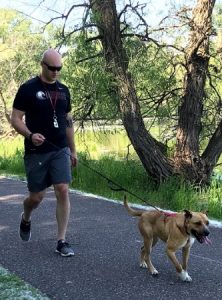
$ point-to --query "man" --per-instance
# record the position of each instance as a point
(50, 151)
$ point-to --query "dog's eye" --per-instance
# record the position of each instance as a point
(198, 223)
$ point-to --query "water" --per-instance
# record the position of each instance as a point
(111, 141)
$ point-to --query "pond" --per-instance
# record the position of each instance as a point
(109, 141)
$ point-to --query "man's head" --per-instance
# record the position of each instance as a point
(51, 65)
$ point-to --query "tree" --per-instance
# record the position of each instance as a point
(187, 155)
(20, 55)
(190, 159)
(93, 97)
(187, 160)
(156, 163)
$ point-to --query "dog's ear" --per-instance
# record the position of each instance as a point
(205, 212)
(188, 214)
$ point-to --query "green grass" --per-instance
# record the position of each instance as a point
(13, 288)
(129, 174)
(173, 195)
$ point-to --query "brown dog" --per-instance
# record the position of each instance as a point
(177, 230)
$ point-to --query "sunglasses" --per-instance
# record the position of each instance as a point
(51, 68)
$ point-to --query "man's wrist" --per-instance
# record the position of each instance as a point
(30, 136)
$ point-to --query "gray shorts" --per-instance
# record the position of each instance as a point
(45, 169)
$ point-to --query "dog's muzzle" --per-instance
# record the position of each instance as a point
(202, 237)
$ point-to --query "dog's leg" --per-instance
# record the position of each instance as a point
(145, 261)
(185, 255)
(143, 264)
(183, 275)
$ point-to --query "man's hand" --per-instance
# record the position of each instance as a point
(74, 159)
(37, 139)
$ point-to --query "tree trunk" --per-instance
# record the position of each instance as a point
(187, 157)
(147, 148)
(213, 151)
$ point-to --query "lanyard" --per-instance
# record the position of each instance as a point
(53, 103)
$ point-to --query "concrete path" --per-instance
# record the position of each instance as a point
(107, 245)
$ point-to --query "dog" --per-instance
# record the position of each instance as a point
(177, 230)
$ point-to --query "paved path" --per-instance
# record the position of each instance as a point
(107, 245)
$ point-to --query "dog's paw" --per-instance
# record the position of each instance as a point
(143, 265)
(184, 276)
(155, 272)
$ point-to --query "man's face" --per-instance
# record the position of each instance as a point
(51, 69)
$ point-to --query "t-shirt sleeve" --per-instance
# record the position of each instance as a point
(20, 102)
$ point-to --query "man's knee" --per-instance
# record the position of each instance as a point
(62, 189)
(34, 199)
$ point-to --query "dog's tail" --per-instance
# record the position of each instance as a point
(132, 212)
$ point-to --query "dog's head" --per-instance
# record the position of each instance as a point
(196, 224)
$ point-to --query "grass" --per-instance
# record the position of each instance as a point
(173, 195)
(13, 288)
(129, 174)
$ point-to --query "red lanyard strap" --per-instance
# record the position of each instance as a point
(52, 101)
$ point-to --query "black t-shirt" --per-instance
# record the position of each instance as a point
(39, 100)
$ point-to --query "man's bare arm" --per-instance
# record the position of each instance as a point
(18, 123)
(71, 139)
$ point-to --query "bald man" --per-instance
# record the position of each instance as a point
(41, 114)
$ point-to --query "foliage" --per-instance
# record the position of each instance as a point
(91, 87)
(158, 84)
(94, 91)
(157, 71)
(20, 51)
(173, 195)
